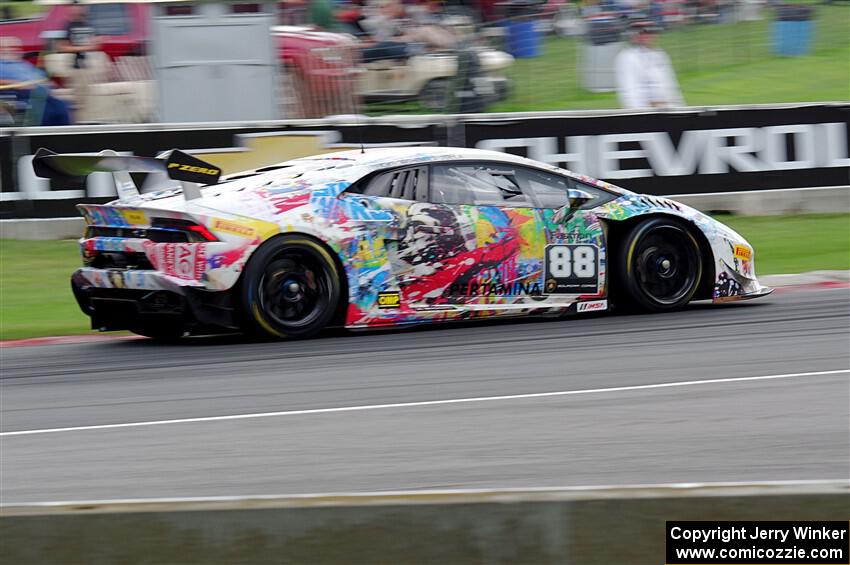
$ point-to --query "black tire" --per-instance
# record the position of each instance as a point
(658, 266)
(290, 288)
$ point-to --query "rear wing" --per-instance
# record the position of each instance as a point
(177, 165)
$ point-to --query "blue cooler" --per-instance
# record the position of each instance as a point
(523, 39)
(792, 30)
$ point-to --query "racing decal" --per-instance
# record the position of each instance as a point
(743, 252)
(233, 228)
(731, 284)
(103, 216)
(181, 260)
(135, 217)
(726, 286)
(253, 230)
(113, 244)
(494, 289)
(184, 167)
(389, 299)
(592, 306)
(229, 257)
(572, 269)
(350, 208)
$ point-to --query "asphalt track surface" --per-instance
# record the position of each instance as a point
(789, 426)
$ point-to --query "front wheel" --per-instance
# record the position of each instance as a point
(290, 288)
(659, 266)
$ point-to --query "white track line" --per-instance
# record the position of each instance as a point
(421, 403)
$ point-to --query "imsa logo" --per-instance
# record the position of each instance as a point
(389, 299)
(592, 306)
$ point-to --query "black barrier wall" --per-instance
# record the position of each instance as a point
(696, 151)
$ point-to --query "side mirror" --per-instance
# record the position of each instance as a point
(576, 199)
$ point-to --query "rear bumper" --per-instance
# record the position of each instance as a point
(124, 300)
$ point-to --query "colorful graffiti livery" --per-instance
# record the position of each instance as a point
(393, 237)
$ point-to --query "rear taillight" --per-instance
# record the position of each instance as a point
(203, 232)
(162, 230)
(195, 232)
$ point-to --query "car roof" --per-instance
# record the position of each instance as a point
(383, 157)
(354, 164)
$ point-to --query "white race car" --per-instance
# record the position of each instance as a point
(385, 237)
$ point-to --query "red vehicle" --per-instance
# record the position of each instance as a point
(121, 28)
(321, 66)
(320, 71)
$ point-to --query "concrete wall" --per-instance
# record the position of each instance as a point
(41, 229)
(581, 526)
(770, 202)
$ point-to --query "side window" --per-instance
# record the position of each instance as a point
(407, 184)
(478, 184)
(109, 19)
(549, 190)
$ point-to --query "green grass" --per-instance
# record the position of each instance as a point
(22, 9)
(716, 64)
(795, 244)
(35, 289)
(36, 299)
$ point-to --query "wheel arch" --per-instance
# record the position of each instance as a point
(616, 230)
(345, 299)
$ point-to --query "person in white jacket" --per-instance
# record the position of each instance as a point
(645, 77)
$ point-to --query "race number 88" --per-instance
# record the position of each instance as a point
(571, 261)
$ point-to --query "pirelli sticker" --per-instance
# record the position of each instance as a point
(389, 299)
(233, 228)
(743, 253)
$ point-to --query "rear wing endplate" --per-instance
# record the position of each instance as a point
(190, 171)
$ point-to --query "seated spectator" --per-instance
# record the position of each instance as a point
(30, 87)
(385, 27)
(395, 36)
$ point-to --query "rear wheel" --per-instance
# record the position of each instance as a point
(291, 288)
(659, 266)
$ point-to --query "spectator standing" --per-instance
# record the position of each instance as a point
(644, 74)
(79, 35)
